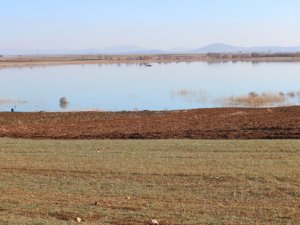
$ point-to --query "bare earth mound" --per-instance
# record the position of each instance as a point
(230, 123)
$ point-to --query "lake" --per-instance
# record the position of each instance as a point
(160, 87)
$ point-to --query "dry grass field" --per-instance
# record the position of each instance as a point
(174, 181)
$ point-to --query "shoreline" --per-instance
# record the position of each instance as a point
(216, 123)
(32, 61)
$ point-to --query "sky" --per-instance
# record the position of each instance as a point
(155, 24)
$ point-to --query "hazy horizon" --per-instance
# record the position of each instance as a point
(167, 24)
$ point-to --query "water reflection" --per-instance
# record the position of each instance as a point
(7, 101)
(162, 86)
(252, 99)
(63, 103)
(190, 95)
(256, 100)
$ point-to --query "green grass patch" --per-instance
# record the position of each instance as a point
(174, 181)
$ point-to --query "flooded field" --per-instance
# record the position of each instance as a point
(149, 87)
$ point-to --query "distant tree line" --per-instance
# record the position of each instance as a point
(250, 55)
(283, 54)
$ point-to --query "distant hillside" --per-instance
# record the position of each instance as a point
(218, 48)
(224, 48)
(119, 49)
(129, 50)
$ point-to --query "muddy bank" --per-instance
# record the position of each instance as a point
(229, 123)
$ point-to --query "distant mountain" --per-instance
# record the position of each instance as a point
(19, 51)
(148, 52)
(224, 48)
(275, 49)
(118, 49)
(127, 49)
(179, 50)
(113, 50)
(217, 48)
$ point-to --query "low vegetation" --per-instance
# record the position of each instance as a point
(258, 100)
(141, 182)
(254, 55)
(253, 99)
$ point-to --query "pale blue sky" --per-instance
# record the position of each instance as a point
(164, 24)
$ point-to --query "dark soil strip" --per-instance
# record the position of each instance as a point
(226, 123)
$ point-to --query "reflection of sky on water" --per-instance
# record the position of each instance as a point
(128, 87)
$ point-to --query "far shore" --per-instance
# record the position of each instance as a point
(47, 60)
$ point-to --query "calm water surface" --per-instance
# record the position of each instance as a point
(137, 87)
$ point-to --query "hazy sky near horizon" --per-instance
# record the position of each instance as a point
(163, 24)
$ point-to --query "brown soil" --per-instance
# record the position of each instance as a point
(228, 123)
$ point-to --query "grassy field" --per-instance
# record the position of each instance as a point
(174, 181)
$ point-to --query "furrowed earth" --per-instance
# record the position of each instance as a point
(133, 182)
(222, 123)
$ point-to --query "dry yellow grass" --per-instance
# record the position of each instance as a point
(256, 100)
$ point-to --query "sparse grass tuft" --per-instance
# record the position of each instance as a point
(257, 100)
